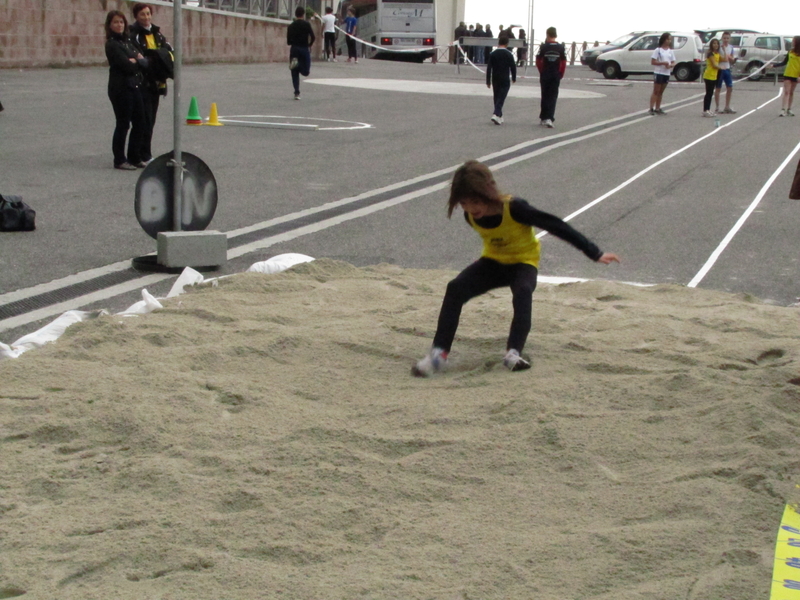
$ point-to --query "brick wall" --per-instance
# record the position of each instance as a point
(65, 33)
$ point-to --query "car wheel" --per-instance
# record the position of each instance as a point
(682, 72)
(611, 70)
(751, 69)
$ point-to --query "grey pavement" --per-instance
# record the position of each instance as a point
(55, 137)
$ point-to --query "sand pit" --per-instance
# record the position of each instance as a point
(264, 439)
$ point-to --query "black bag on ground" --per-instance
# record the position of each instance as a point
(15, 215)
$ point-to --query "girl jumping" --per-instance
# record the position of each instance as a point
(510, 258)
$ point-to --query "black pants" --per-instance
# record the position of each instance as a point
(500, 92)
(478, 278)
(303, 56)
(549, 97)
(711, 85)
(351, 47)
(150, 98)
(129, 113)
(330, 44)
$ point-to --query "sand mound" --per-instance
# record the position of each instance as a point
(264, 439)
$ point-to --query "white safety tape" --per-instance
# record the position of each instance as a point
(415, 49)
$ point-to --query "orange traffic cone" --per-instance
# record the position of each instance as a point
(213, 118)
(193, 118)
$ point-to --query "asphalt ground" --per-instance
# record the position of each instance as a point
(681, 184)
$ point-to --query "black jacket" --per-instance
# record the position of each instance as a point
(300, 34)
(122, 73)
(156, 69)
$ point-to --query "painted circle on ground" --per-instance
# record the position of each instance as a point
(266, 120)
(153, 201)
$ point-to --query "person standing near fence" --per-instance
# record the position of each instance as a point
(351, 29)
(300, 37)
(710, 75)
(501, 72)
(522, 53)
(726, 60)
(552, 64)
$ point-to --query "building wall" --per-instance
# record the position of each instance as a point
(64, 33)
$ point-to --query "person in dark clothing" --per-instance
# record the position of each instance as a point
(552, 63)
(510, 258)
(125, 92)
(147, 36)
(458, 36)
(300, 37)
(522, 53)
(501, 72)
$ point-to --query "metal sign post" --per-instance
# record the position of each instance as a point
(177, 162)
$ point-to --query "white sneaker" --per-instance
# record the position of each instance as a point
(789, 112)
(707, 113)
(496, 120)
(434, 361)
(783, 113)
(514, 362)
(548, 123)
(293, 64)
(500, 119)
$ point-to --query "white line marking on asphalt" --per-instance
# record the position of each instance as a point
(657, 163)
(734, 230)
(235, 120)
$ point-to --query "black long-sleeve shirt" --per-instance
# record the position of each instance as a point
(299, 33)
(500, 67)
(524, 213)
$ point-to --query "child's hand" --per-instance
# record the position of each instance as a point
(607, 258)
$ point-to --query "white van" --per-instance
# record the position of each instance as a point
(634, 58)
(756, 50)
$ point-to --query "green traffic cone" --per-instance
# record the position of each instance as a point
(193, 118)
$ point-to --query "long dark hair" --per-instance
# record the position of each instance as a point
(796, 44)
(711, 49)
(110, 17)
(474, 181)
(663, 38)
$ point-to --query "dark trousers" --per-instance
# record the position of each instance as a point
(478, 278)
(129, 113)
(351, 47)
(303, 57)
(330, 44)
(150, 100)
(500, 92)
(549, 97)
(711, 85)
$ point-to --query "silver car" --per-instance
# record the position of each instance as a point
(756, 50)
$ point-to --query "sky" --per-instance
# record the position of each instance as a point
(602, 20)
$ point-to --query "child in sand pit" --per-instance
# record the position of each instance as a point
(510, 258)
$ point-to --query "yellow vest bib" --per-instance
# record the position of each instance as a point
(510, 242)
(710, 72)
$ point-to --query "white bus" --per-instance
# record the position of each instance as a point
(408, 25)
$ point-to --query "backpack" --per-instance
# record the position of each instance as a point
(15, 215)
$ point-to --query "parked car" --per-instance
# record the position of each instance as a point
(589, 56)
(756, 49)
(634, 58)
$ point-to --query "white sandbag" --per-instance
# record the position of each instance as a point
(49, 333)
(187, 277)
(146, 305)
(279, 263)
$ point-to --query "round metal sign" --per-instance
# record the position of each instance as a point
(154, 197)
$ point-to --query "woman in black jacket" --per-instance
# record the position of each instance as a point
(147, 36)
(125, 92)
